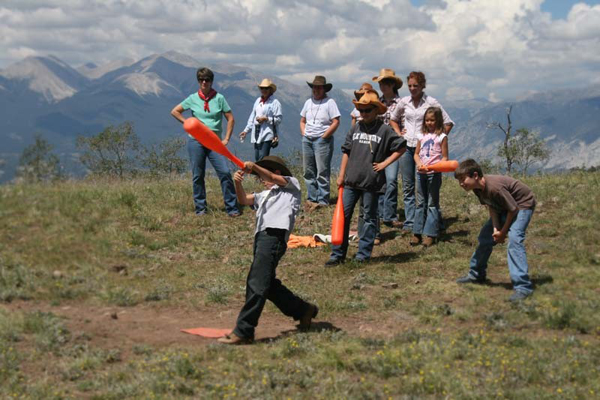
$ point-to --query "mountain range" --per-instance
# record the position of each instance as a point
(46, 95)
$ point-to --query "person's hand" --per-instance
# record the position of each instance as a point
(238, 176)
(243, 135)
(248, 166)
(340, 181)
(498, 236)
(377, 167)
(403, 132)
(421, 167)
(276, 139)
(261, 119)
(225, 142)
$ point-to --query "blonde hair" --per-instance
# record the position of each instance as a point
(439, 120)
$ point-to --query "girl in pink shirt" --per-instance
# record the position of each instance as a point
(432, 147)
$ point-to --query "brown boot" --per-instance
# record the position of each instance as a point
(310, 313)
(428, 241)
(415, 240)
(232, 338)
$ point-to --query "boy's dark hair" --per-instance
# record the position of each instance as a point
(205, 73)
(468, 168)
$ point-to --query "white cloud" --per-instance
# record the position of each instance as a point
(476, 48)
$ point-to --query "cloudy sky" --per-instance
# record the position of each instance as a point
(468, 49)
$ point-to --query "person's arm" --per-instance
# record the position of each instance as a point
(448, 127)
(250, 123)
(500, 235)
(242, 197)
(396, 127)
(332, 128)
(445, 149)
(265, 174)
(353, 122)
(177, 111)
(343, 165)
(393, 157)
(302, 125)
(418, 160)
(230, 124)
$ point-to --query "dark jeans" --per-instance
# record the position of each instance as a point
(262, 150)
(427, 215)
(198, 155)
(269, 247)
(367, 228)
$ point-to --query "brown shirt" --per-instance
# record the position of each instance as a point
(504, 193)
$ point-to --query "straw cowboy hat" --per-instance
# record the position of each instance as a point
(266, 83)
(274, 163)
(386, 73)
(320, 81)
(363, 88)
(370, 98)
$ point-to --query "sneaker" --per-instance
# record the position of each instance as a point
(415, 240)
(518, 296)
(306, 319)
(358, 260)
(234, 214)
(428, 241)
(232, 338)
(201, 213)
(333, 262)
(470, 279)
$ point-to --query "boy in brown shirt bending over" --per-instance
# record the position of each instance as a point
(510, 204)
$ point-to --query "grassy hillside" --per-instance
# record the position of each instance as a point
(98, 277)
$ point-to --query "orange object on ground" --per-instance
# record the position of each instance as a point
(442, 166)
(209, 139)
(302, 241)
(337, 224)
(208, 332)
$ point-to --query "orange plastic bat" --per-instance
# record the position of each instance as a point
(442, 166)
(209, 139)
(337, 224)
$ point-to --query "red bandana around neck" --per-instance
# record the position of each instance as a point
(206, 99)
(263, 100)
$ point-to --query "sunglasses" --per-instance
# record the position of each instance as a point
(366, 110)
(204, 80)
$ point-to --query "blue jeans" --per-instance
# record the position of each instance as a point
(517, 256)
(408, 171)
(262, 150)
(368, 227)
(198, 155)
(316, 157)
(262, 284)
(388, 202)
(427, 214)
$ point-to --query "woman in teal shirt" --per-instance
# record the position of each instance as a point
(209, 107)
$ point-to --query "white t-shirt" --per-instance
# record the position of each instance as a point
(319, 116)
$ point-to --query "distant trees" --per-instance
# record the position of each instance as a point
(37, 162)
(523, 148)
(163, 158)
(111, 152)
(117, 151)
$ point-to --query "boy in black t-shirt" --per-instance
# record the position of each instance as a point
(369, 148)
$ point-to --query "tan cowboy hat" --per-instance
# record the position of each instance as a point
(386, 73)
(363, 88)
(267, 83)
(370, 98)
(274, 163)
(320, 81)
